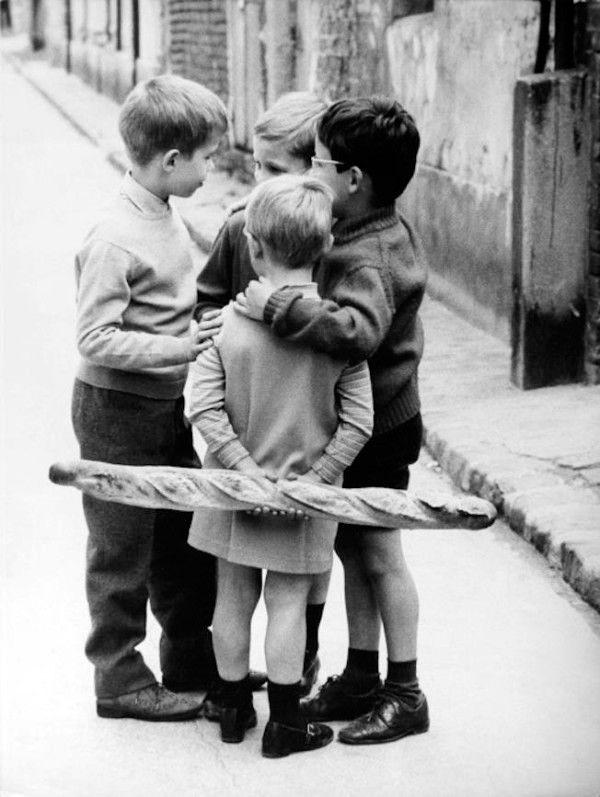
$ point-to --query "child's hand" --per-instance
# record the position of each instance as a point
(252, 302)
(204, 332)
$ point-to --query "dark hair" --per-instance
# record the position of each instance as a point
(377, 135)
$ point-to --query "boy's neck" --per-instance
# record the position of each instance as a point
(147, 178)
(280, 275)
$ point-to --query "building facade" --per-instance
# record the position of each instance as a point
(519, 257)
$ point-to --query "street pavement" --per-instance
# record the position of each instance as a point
(509, 654)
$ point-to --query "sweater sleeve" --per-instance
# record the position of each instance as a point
(350, 326)
(207, 409)
(214, 281)
(103, 296)
(355, 413)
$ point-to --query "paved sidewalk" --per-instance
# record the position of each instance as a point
(535, 454)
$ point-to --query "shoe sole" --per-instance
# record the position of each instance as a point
(121, 714)
(411, 732)
(237, 738)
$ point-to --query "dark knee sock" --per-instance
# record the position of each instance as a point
(402, 680)
(362, 665)
(235, 694)
(314, 614)
(284, 704)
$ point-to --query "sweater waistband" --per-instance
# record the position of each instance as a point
(404, 406)
(130, 382)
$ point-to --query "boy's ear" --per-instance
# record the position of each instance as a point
(169, 159)
(356, 177)
(329, 243)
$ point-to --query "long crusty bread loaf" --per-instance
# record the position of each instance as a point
(187, 489)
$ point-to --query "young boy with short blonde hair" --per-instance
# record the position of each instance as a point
(283, 143)
(136, 291)
(267, 407)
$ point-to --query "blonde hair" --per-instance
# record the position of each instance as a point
(292, 215)
(292, 120)
(170, 112)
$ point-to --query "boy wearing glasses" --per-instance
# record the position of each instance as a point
(371, 283)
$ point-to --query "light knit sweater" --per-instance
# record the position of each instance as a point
(289, 408)
(136, 290)
(292, 410)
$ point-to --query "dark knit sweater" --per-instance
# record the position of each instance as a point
(228, 269)
(372, 283)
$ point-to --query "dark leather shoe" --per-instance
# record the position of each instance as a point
(280, 740)
(211, 705)
(340, 698)
(309, 676)
(235, 722)
(390, 719)
(152, 703)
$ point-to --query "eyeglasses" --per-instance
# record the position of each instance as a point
(323, 161)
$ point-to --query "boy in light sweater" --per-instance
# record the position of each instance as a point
(269, 407)
(136, 291)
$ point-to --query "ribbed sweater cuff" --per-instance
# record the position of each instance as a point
(231, 453)
(401, 409)
(277, 301)
(328, 468)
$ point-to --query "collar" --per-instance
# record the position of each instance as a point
(145, 201)
(380, 219)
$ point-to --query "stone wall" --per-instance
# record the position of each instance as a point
(197, 42)
(455, 69)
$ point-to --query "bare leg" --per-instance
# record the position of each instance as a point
(394, 590)
(319, 588)
(285, 598)
(362, 610)
(238, 591)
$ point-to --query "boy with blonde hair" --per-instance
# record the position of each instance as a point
(136, 291)
(283, 143)
(267, 407)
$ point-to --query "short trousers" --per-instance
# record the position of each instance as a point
(384, 460)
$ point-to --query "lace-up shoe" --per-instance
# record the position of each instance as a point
(341, 698)
(391, 718)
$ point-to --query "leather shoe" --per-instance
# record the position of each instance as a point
(341, 698)
(153, 703)
(235, 722)
(280, 740)
(212, 703)
(309, 676)
(390, 719)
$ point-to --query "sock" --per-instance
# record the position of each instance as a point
(314, 613)
(402, 681)
(235, 694)
(362, 665)
(284, 704)
(402, 672)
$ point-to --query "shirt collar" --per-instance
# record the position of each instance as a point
(145, 201)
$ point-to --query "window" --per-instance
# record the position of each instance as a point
(404, 8)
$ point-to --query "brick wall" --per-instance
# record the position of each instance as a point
(592, 365)
(197, 42)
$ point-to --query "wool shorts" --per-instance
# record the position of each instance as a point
(384, 460)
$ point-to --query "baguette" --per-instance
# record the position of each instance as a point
(187, 489)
